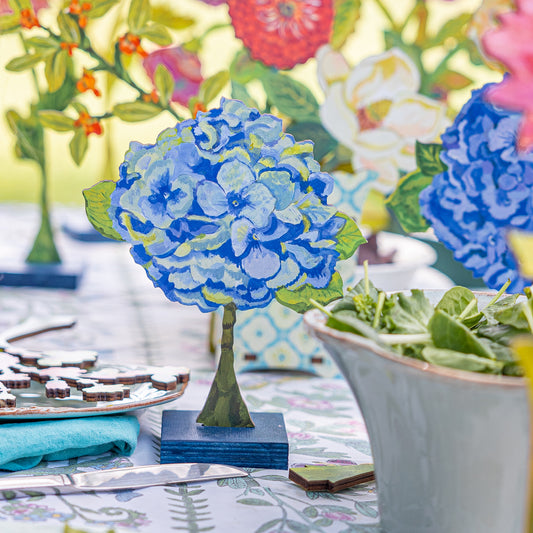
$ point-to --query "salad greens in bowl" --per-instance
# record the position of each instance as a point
(443, 400)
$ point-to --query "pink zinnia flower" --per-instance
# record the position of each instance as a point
(5, 8)
(184, 66)
(511, 44)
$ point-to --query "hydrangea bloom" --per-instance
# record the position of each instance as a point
(282, 33)
(486, 190)
(227, 207)
(511, 45)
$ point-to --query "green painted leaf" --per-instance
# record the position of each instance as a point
(428, 158)
(136, 111)
(9, 23)
(454, 27)
(239, 92)
(347, 12)
(68, 28)
(101, 7)
(56, 120)
(267, 526)
(211, 86)
(244, 69)
(138, 15)
(78, 146)
(324, 143)
(164, 83)
(97, 203)
(254, 501)
(349, 237)
(25, 62)
(298, 300)
(291, 97)
(42, 43)
(55, 70)
(163, 14)
(157, 33)
(29, 136)
(404, 201)
(451, 80)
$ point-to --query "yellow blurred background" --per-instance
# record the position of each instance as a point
(19, 180)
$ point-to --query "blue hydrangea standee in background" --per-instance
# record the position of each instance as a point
(486, 190)
(226, 210)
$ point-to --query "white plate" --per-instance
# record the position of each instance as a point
(32, 403)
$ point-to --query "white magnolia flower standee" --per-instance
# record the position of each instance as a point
(375, 110)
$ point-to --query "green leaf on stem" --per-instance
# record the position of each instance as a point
(212, 86)
(138, 15)
(97, 204)
(298, 299)
(78, 146)
(55, 69)
(349, 237)
(239, 92)
(56, 120)
(42, 44)
(291, 97)
(25, 62)
(101, 7)
(164, 83)
(136, 111)
(68, 28)
(455, 27)
(450, 80)
(9, 23)
(29, 135)
(347, 12)
(428, 158)
(162, 14)
(244, 69)
(324, 143)
(404, 201)
(157, 33)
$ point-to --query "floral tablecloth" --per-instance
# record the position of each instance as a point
(128, 321)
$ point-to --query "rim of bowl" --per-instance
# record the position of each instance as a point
(316, 321)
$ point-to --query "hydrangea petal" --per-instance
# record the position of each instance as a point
(261, 263)
(211, 198)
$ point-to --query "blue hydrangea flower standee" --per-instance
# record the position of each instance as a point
(486, 190)
(228, 210)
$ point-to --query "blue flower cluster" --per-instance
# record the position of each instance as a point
(486, 190)
(227, 207)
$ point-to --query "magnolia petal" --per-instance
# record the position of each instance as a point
(416, 117)
(378, 143)
(387, 76)
(386, 170)
(331, 66)
(338, 118)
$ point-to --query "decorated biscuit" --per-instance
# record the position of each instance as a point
(77, 358)
(106, 393)
(68, 373)
(57, 388)
(13, 380)
(7, 399)
(168, 377)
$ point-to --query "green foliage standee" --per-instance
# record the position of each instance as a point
(225, 406)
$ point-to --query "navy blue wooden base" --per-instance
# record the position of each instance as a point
(44, 276)
(263, 446)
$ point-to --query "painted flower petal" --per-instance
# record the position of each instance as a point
(241, 235)
(211, 199)
(387, 76)
(259, 204)
(280, 185)
(331, 66)
(261, 263)
(233, 176)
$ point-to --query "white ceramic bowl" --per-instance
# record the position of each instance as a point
(450, 447)
(410, 256)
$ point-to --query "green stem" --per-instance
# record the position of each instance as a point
(379, 307)
(471, 304)
(388, 15)
(225, 406)
(44, 250)
(500, 292)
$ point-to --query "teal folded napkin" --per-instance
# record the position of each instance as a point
(25, 444)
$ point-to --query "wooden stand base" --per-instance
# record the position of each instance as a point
(44, 276)
(263, 446)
